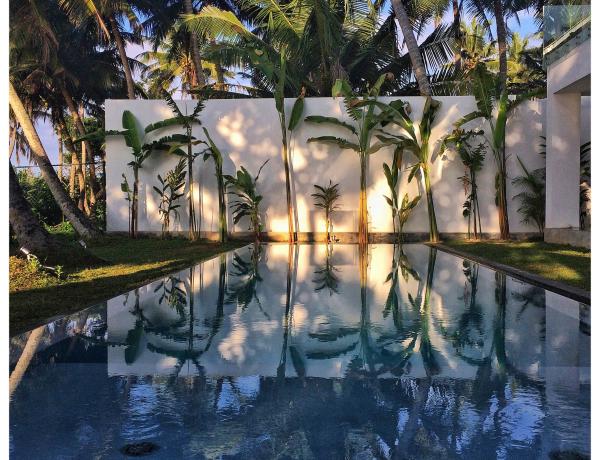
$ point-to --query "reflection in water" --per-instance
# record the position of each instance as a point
(250, 355)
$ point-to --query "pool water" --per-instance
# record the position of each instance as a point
(311, 352)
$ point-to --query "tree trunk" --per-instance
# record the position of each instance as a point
(80, 223)
(134, 203)
(457, 35)
(27, 354)
(434, 235)
(201, 79)
(501, 33)
(81, 130)
(114, 27)
(292, 235)
(502, 201)
(192, 230)
(413, 48)
(223, 237)
(363, 231)
(27, 228)
(60, 156)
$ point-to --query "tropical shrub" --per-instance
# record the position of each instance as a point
(326, 197)
(472, 159)
(246, 201)
(169, 192)
(40, 198)
(533, 196)
(405, 211)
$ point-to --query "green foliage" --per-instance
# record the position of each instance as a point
(406, 208)
(326, 197)
(169, 193)
(213, 152)
(472, 159)
(400, 211)
(361, 109)
(533, 196)
(247, 201)
(398, 113)
(38, 195)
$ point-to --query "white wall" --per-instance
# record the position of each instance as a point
(248, 133)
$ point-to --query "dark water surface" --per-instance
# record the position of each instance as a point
(299, 352)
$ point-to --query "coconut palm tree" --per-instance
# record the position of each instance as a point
(80, 223)
(108, 14)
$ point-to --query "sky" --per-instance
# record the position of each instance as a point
(526, 26)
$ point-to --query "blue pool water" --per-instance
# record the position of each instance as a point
(302, 352)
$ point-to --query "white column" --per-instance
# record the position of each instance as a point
(562, 160)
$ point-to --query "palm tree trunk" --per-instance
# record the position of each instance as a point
(81, 130)
(114, 28)
(501, 34)
(413, 48)
(27, 228)
(363, 231)
(194, 44)
(457, 35)
(31, 346)
(60, 156)
(80, 223)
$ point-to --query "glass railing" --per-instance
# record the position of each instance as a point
(562, 22)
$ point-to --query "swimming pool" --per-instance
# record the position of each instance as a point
(311, 352)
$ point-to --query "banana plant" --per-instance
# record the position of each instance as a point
(213, 152)
(494, 108)
(140, 151)
(404, 213)
(277, 73)
(128, 197)
(399, 114)
(247, 201)
(179, 141)
(361, 109)
(400, 212)
(472, 158)
(169, 193)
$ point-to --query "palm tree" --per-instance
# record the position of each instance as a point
(80, 223)
(533, 196)
(362, 111)
(326, 197)
(111, 11)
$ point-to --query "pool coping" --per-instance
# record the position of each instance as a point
(575, 293)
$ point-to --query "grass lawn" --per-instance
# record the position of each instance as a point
(37, 296)
(556, 262)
